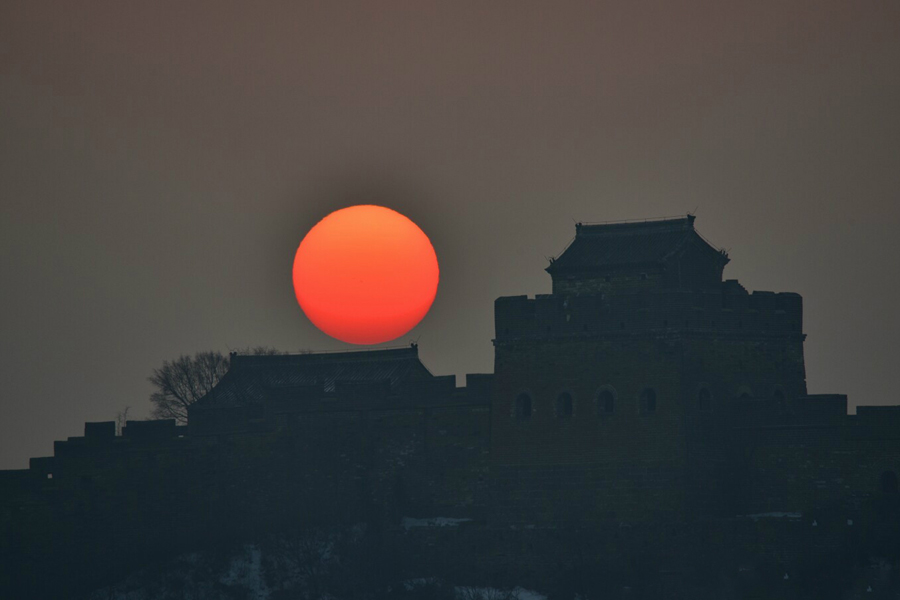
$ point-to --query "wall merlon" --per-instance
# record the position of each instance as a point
(825, 404)
(479, 384)
(105, 430)
(42, 465)
(150, 430)
(879, 414)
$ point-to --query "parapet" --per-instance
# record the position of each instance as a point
(826, 405)
(815, 410)
(880, 415)
(42, 466)
(105, 431)
(150, 430)
(719, 311)
(478, 385)
(877, 412)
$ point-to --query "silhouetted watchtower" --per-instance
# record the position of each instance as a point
(632, 360)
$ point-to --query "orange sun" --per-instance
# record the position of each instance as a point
(365, 274)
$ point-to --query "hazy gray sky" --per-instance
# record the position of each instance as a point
(161, 161)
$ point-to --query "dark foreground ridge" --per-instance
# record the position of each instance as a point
(647, 432)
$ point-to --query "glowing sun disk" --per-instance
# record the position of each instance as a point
(365, 274)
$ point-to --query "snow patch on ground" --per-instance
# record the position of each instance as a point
(243, 571)
(524, 594)
(465, 593)
(774, 515)
(246, 570)
(432, 522)
(411, 584)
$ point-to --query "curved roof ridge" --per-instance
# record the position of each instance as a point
(636, 227)
(628, 243)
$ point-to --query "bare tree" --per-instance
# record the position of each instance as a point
(183, 381)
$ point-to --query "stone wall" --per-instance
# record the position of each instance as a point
(104, 505)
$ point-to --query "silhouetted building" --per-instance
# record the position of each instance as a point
(645, 401)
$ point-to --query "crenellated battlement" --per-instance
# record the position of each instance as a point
(730, 311)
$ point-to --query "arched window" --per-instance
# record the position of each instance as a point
(564, 406)
(606, 402)
(523, 406)
(648, 401)
(704, 400)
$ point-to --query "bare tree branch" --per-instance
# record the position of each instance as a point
(183, 381)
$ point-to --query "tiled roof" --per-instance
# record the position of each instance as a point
(632, 243)
(252, 378)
